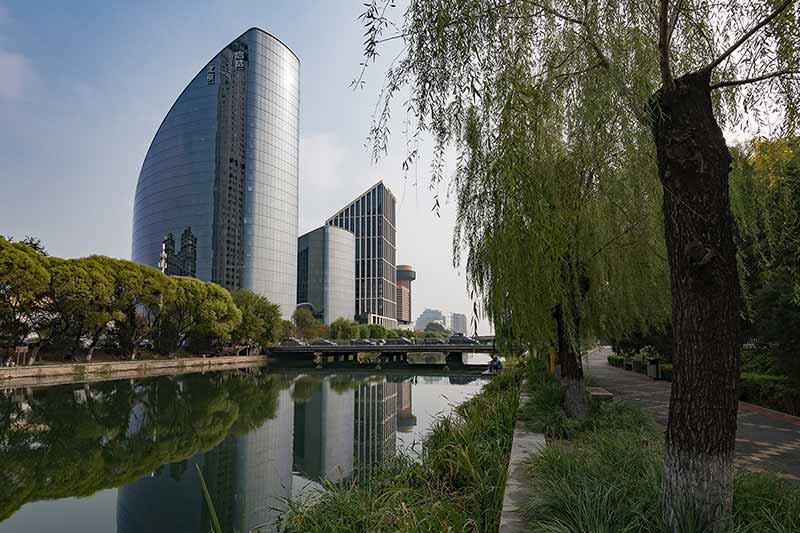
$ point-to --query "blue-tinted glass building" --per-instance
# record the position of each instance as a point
(217, 193)
(326, 272)
(371, 217)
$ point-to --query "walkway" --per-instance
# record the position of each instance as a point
(765, 440)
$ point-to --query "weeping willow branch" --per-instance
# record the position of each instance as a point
(743, 39)
(756, 79)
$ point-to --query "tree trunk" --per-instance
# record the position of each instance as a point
(571, 371)
(693, 165)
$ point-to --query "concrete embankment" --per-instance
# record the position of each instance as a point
(525, 446)
(41, 375)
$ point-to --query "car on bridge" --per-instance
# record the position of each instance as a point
(401, 340)
(323, 342)
(363, 342)
(434, 340)
(291, 341)
(460, 338)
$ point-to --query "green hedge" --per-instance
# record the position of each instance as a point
(616, 360)
(773, 392)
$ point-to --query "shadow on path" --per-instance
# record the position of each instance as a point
(765, 439)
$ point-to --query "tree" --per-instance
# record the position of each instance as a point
(260, 319)
(376, 331)
(765, 194)
(596, 63)
(342, 328)
(23, 281)
(140, 294)
(304, 322)
(435, 327)
(79, 303)
(202, 312)
(363, 331)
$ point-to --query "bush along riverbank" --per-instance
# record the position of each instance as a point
(456, 485)
(605, 473)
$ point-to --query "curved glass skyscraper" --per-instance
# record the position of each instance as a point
(217, 193)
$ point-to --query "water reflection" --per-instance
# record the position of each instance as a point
(258, 439)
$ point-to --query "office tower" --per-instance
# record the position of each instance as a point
(222, 171)
(371, 218)
(326, 272)
(405, 275)
(458, 323)
(428, 316)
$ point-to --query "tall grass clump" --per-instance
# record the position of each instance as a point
(456, 485)
(605, 474)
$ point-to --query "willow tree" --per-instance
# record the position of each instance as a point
(670, 74)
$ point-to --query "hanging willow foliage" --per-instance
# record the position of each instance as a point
(546, 104)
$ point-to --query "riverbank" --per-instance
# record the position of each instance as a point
(605, 473)
(59, 374)
(456, 485)
(55, 374)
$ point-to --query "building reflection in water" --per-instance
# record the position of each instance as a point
(248, 477)
(323, 430)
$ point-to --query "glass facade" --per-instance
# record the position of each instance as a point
(371, 217)
(223, 167)
(326, 272)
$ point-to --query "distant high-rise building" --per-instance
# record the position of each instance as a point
(326, 272)
(458, 323)
(405, 275)
(222, 171)
(371, 217)
(428, 316)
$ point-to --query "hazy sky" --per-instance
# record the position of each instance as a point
(85, 85)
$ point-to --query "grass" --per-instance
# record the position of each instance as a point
(456, 485)
(605, 474)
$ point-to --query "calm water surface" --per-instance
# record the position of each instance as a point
(123, 455)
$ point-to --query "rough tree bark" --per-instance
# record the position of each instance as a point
(571, 370)
(693, 165)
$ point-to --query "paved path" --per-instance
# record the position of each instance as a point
(765, 439)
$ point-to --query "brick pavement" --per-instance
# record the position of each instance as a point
(765, 440)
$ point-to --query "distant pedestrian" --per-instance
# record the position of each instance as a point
(495, 365)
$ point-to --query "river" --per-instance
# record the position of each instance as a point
(124, 455)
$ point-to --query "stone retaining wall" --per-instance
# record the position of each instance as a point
(37, 375)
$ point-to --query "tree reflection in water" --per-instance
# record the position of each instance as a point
(74, 440)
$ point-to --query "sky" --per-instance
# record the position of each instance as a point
(85, 85)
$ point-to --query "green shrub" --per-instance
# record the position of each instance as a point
(759, 362)
(773, 392)
(616, 360)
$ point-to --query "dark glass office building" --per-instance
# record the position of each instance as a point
(371, 217)
(221, 174)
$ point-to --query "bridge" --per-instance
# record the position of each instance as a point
(387, 354)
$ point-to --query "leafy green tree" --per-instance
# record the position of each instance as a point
(140, 294)
(342, 328)
(376, 331)
(23, 282)
(80, 303)
(363, 331)
(260, 319)
(392, 334)
(202, 312)
(435, 327)
(765, 194)
(653, 81)
(304, 321)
